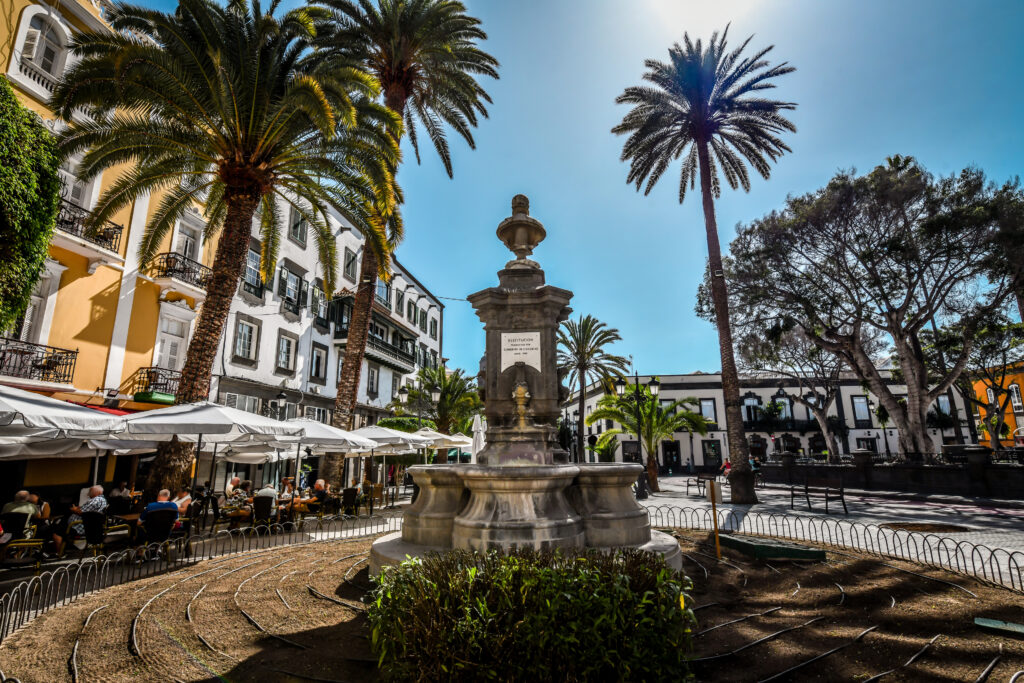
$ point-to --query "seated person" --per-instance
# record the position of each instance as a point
(229, 490)
(182, 500)
(163, 502)
(268, 491)
(122, 490)
(42, 520)
(95, 503)
(22, 504)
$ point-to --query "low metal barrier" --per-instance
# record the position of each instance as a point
(996, 566)
(67, 583)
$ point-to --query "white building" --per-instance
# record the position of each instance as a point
(795, 429)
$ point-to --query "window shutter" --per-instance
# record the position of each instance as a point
(231, 400)
(303, 294)
(28, 51)
(282, 281)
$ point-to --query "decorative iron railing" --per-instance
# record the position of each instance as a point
(36, 361)
(154, 380)
(255, 288)
(179, 267)
(72, 219)
(37, 75)
(773, 426)
(390, 350)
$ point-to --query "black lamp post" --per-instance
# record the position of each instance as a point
(281, 406)
(403, 399)
(638, 399)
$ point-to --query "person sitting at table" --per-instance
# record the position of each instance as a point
(182, 500)
(229, 490)
(22, 504)
(41, 520)
(122, 490)
(163, 502)
(95, 503)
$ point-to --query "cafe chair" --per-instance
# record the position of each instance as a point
(97, 530)
(23, 548)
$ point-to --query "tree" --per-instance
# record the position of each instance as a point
(582, 356)
(656, 423)
(29, 194)
(424, 57)
(707, 106)
(226, 108)
(996, 353)
(878, 256)
(457, 399)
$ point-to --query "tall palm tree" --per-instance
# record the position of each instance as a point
(424, 57)
(582, 355)
(224, 108)
(656, 423)
(707, 106)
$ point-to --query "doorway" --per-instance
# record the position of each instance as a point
(711, 449)
(671, 457)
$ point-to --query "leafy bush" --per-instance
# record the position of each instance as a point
(406, 423)
(29, 190)
(532, 616)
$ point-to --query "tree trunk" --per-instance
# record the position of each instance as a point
(652, 473)
(741, 477)
(580, 421)
(173, 461)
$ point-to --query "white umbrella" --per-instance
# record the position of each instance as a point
(251, 456)
(323, 438)
(26, 416)
(391, 437)
(439, 440)
(478, 438)
(50, 448)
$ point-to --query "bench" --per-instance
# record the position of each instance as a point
(830, 489)
(700, 481)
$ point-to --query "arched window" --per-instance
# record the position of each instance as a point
(1015, 399)
(990, 395)
(44, 47)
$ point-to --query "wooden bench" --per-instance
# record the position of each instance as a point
(700, 481)
(830, 489)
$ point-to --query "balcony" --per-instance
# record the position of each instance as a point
(154, 385)
(382, 351)
(36, 363)
(179, 273)
(37, 76)
(255, 288)
(101, 246)
(772, 426)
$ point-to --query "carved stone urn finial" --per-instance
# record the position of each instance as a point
(521, 233)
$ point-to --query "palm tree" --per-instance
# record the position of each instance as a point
(457, 402)
(424, 57)
(223, 108)
(656, 424)
(707, 106)
(582, 355)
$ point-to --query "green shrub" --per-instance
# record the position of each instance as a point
(29, 192)
(532, 616)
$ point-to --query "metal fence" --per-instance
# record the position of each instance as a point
(996, 566)
(64, 585)
(67, 583)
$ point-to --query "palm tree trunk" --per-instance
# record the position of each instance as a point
(741, 477)
(580, 420)
(173, 462)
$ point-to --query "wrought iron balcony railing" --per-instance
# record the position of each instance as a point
(781, 425)
(170, 264)
(36, 361)
(254, 288)
(72, 218)
(388, 349)
(154, 385)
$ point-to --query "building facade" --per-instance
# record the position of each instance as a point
(1013, 415)
(104, 332)
(794, 429)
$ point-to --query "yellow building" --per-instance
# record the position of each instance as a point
(98, 331)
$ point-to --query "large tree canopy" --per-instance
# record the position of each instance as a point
(29, 193)
(883, 254)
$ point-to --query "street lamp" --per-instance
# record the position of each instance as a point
(638, 399)
(403, 399)
(281, 406)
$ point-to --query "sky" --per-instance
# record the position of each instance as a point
(933, 79)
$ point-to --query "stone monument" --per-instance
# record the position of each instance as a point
(523, 493)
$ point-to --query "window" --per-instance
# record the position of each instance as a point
(297, 228)
(751, 409)
(991, 395)
(383, 293)
(293, 290)
(433, 328)
(43, 47)
(317, 413)
(396, 383)
(75, 190)
(245, 340)
(171, 343)
(285, 353)
(188, 242)
(399, 303)
(411, 313)
(423, 320)
(784, 407)
(1015, 399)
(867, 445)
(861, 412)
(707, 409)
(372, 379)
(433, 359)
(318, 364)
(942, 405)
(319, 302)
(252, 277)
(350, 264)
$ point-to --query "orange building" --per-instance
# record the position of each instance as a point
(1014, 413)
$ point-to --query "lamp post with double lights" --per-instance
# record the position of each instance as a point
(638, 399)
(403, 399)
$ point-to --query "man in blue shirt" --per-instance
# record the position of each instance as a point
(163, 502)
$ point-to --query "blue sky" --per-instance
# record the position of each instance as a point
(937, 80)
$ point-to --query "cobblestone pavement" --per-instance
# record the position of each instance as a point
(998, 528)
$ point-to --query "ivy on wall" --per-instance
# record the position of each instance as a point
(29, 194)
